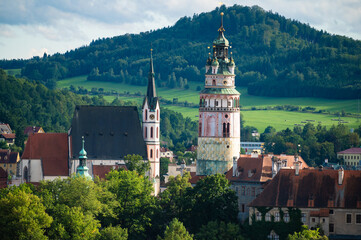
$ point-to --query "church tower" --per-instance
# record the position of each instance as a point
(151, 134)
(219, 114)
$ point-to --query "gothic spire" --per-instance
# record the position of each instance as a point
(151, 93)
(151, 82)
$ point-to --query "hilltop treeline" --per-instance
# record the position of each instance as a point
(275, 56)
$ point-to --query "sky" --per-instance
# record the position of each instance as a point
(31, 27)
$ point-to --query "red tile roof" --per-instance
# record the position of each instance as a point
(319, 186)
(195, 178)
(8, 157)
(8, 135)
(351, 151)
(52, 149)
(258, 169)
(102, 170)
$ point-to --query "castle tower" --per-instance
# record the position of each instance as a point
(151, 130)
(219, 115)
(82, 169)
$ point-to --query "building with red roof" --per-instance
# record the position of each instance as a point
(46, 157)
(9, 138)
(251, 173)
(326, 197)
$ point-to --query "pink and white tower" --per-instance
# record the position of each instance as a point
(219, 113)
(151, 134)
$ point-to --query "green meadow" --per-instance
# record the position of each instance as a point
(257, 118)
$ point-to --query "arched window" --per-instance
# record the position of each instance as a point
(157, 154)
(227, 130)
(214, 82)
(145, 132)
(157, 132)
(151, 153)
(146, 114)
(200, 130)
(224, 129)
(151, 132)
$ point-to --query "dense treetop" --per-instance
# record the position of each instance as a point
(275, 56)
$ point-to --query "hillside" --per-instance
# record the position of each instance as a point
(275, 56)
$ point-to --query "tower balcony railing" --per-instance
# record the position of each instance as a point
(217, 109)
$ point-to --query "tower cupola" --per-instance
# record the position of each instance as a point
(82, 169)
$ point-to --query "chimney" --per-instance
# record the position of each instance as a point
(340, 176)
(297, 168)
(235, 169)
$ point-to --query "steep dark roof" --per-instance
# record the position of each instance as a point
(320, 186)
(52, 149)
(6, 156)
(110, 132)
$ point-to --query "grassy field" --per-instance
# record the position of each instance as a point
(13, 72)
(259, 118)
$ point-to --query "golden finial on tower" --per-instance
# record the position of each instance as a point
(221, 29)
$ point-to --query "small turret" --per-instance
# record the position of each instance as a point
(215, 66)
(231, 65)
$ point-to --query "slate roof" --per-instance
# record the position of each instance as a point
(5, 128)
(320, 185)
(258, 169)
(151, 97)
(351, 151)
(52, 149)
(6, 156)
(102, 170)
(110, 132)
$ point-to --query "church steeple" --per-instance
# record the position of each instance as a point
(151, 93)
(221, 44)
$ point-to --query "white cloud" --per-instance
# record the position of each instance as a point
(67, 24)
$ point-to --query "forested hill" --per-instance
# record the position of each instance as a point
(275, 56)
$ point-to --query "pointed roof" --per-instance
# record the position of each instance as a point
(151, 96)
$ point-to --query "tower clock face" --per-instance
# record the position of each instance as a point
(151, 116)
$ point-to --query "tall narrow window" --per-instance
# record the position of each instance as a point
(146, 114)
(151, 153)
(151, 132)
(157, 115)
(224, 129)
(145, 132)
(227, 130)
(214, 82)
(200, 129)
(157, 154)
(157, 132)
